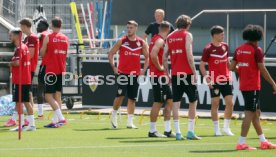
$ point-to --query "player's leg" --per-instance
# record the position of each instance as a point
(214, 114)
(120, 95)
(250, 112)
(227, 93)
(192, 93)
(61, 120)
(132, 92)
(178, 91)
(40, 99)
(15, 97)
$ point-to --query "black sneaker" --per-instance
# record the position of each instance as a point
(156, 134)
(169, 134)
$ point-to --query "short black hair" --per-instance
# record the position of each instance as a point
(26, 22)
(216, 30)
(253, 33)
(42, 26)
(183, 21)
(15, 31)
(132, 22)
(56, 22)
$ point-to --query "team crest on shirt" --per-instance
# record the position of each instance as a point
(223, 48)
(138, 43)
(216, 91)
(93, 82)
(120, 91)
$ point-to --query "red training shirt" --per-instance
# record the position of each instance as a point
(247, 57)
(32, 41)
(41, 39)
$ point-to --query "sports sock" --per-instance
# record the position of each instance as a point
(191, 125)
(40, 109)
(262, 138)
(216, 126)
(130, 118)
(14, 116)
(227, 123)
(114, 112)
(177, 127)
(31, 120)
(55, 118)
(242, 140)
(59, 114)
(167, 125)
(153, 127)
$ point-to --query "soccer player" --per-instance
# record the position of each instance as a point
(160, 83)
(130, 48)
(32, 41)
(153, 28)
(21, 62)
(184, 77)
(215, 54)
(248, 61)
(55, 46)
(42, 29)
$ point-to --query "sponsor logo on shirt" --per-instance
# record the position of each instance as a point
(56, 40)
(127, 53)
(244, 52)
(242, 64)
(175, 39)
(220, 61)
(60, 52)
(177, 51)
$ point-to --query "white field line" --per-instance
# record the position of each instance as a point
(113, 146)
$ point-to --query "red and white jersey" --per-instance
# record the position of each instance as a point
(217, 59)
(57, 48)
(153, 70)
(32, 41)
(23, 56)
(177, 48)
(41, 39)
(247, 57)
(130, 51)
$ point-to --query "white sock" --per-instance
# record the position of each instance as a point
(216, 126)
(242, 140)
(55, 118)
(153, 127)
(262, 138)
(14, 116)
(177, 127)
(167, 125)
(130, 118)
(31, 120)
(227, 123)
(191, 125)
(22, 119)
(59, 114)
(40, 109)
(114, 113)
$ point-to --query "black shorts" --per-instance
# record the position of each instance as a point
(127, 84)
(53, 83)
(25, 93)
(41, 74)
(224, 88)
(251, 100)
(180, 85)
(32, 76)
(161, 89)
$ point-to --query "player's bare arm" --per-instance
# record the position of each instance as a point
(203, 71)
(265, 74)
(165, 59)
(145, 50)
(32, 51)
(190, 56)
(154, 54)
(233, 66)
(14, 63)
(111, 54)
(44, 46)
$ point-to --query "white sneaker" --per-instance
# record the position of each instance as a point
(29, 128)
(228, 131)
(114, 123)
(218, 133)
(131, 126)
(16, 129)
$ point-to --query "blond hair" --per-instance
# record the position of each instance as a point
(160, 11)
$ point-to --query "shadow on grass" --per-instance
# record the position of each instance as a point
(213, 151)
(102, 129)
(144, 141)
(123, 138)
